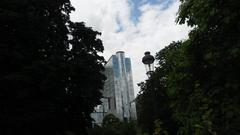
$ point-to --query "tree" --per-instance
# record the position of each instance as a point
(51, 73)
(111, 121)
(199, 77)
(154, 100)
(213, 52)
(112, 125)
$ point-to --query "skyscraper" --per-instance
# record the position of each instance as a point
(118, 94)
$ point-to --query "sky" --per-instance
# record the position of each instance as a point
(132, 26)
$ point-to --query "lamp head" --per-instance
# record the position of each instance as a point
(148, 61)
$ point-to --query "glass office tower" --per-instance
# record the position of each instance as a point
(118, 94)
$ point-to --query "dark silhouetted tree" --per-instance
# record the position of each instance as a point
(112, 125)
(153, 101)
(51, 74)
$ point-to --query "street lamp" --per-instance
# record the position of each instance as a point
(148, 60)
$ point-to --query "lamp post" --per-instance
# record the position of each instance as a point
(148, 61)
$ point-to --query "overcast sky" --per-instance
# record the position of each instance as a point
(132, 26)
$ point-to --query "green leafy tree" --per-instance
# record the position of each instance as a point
(213, 52)
(153, 102)
(128, 128)
(111, 121)
(200, 75)
(158, 128)
(51, 74)
(112, 125)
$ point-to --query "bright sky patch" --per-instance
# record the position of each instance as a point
(136, 4)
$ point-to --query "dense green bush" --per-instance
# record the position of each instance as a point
(113, 126)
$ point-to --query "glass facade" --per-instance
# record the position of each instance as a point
(118, 90)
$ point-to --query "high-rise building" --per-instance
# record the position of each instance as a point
(118, 94)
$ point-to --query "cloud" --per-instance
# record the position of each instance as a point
(154, 28)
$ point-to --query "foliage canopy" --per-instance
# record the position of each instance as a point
(51, 73)
(198, 79)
